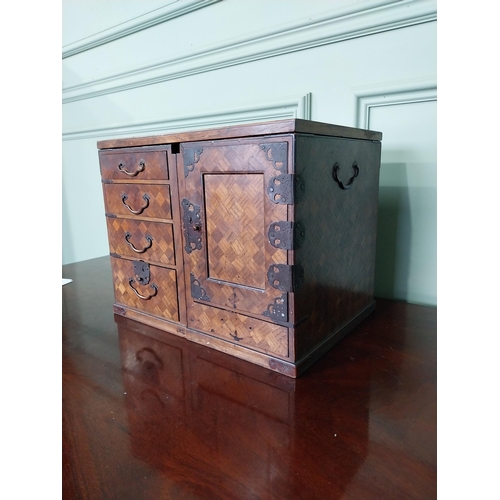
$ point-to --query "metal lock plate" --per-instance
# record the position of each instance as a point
(191, 219)
(141, 272)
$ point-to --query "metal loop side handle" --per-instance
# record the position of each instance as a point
(347, 186)
(143, 297)
(148, 237)
(121, 168)
(145, 197)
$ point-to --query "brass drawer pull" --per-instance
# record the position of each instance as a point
(343, 186)
(142, 166)
(145, 197)
(148, 237)
(143, 297)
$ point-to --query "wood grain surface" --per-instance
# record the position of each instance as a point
(170, 419)
(133, 164)
(264, 128)
(130, 200)
(129, 237)
(163, 303)
(338, 253)
(228, 183)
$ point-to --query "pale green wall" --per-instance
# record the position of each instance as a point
(200, 63)
(407, 229)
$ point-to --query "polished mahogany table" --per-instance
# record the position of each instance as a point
(148, 415)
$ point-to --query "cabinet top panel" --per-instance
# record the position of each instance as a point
(248, 130)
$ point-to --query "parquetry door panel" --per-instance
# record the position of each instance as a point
(227, 212)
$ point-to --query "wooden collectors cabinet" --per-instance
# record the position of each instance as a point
(256, 240)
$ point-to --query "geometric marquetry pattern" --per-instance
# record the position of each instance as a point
(229, 183)
(239, 329)
(160, 250)
(146, 165)
(235, 228)
(158, 205)
(164, 304)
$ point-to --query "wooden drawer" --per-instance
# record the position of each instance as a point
(142, 239)
(240, 329)
(134, 165)
(158, 297)
(143, 200)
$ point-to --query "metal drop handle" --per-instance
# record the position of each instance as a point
(148, 237)
(343, 186)
(145, 197)
(143, 297)
(142, 166)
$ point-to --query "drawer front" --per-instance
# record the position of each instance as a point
(142, 239)
(158, 298)
(142, 165)
(143, 200)
(240, 329)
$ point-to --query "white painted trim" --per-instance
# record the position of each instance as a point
(172, 10)
(396, 93)
(333, 27)
(264, 111)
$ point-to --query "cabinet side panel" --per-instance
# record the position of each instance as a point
(338, 252)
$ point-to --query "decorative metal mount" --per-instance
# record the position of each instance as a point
(343, 186)
(190, 156)
(197, 291)
(192, 225)
(286, 189)
(278, 310)
(286, 235)
(141, 271)
(286, 278)
(235, 336)
(277, 153)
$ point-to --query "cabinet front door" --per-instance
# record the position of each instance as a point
(228, 211)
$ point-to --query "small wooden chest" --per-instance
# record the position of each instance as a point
(256, 240)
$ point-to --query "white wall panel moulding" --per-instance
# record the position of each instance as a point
(335, 26)
(157, 16)
(390, 94)
(298, 107)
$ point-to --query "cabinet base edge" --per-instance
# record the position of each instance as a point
(254, 357)
(321, 349)
(289, 369)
